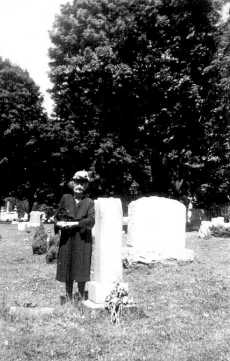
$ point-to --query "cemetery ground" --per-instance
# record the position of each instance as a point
(182, 309)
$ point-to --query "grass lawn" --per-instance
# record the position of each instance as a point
(182, 314)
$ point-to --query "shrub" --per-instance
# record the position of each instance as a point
(52, 248)
(39, 242)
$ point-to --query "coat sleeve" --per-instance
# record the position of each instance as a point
(88, 221)
(59, 214)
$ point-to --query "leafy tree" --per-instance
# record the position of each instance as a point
(216, 182)
(22, 119)
(135, 91)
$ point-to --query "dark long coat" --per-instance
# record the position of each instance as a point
(75, 248)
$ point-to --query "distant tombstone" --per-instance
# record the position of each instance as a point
(189, 211)
(106, 268)
(8, 206)
(205, 230)
(196, 216)
(35, 219)
(218, 221)
(156, 229)
(25, 217)
(22, 226)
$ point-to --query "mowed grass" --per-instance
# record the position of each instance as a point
(182, 309)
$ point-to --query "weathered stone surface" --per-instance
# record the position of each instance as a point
(156, 229)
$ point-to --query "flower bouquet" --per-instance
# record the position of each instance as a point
(115, 301)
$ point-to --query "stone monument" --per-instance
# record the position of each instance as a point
(156, 229)
(35, 219)
(106, 267)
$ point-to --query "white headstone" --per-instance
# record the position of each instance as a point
(22, 226)
(7, 206)
(205, 230)
(8, 216)
(35, 219)
(106, 267)
(25, 217)
(218, 221)
(156, 229)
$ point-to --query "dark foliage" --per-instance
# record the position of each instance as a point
(142, 100)
(137, 97)
(52, 251)
(39, 241)
(22, 123)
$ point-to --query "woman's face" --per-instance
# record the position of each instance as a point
(79, 187)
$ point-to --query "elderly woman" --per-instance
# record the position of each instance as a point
(75, 219)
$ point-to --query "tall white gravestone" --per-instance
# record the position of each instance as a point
(106, 266)
(8, 206)
(156, 229)
(35, 219)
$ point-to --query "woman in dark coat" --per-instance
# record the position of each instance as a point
(75, 218)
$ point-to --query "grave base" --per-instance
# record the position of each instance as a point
(93, 305)
(98, 291)
(134, 255)
(33, 312)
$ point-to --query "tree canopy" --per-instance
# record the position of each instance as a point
(138, 96)
(21, 120)
(141, 91)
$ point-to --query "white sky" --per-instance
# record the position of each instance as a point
(24, 39)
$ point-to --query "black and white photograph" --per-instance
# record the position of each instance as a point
(115, 180)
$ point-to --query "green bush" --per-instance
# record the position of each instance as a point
(39, 242)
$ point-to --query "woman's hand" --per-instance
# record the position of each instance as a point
(60, 224)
